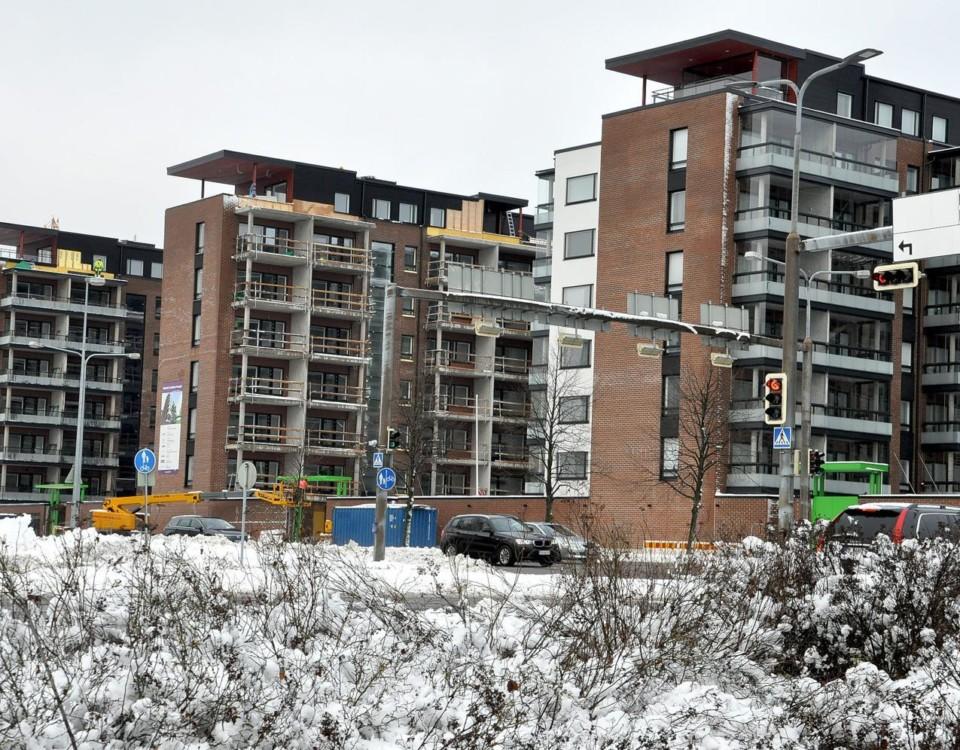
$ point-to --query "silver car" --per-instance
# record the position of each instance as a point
(567, 544)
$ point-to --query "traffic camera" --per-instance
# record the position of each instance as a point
(896, 276)
(774, 398)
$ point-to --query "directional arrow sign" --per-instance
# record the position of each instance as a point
(926, 226)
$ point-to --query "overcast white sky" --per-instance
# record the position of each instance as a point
(99, 97)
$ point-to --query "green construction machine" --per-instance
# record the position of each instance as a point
(824, 506)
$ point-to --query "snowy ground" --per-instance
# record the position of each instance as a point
(107, 644)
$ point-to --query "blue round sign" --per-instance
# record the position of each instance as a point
(145, 461)
(386, 478)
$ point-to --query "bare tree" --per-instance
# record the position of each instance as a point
(555, 431)
(412, 415)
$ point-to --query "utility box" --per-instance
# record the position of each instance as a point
(355, 524)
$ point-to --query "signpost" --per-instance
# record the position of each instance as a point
(246, 479)
(145, 462)
(926, 226)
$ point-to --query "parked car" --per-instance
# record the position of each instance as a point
(501, 539)
(856, 528)
(201, 526)
(567, 544)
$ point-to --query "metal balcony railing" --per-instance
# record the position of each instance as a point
(258, 244)
(845, 350)
(512, 410)
(333, 439)
(267, 387)
(279, 341)
(348, 302)
(281, 294)
(338, 256)
(264, 435)
(339, 347)
(512, 454)
(818, 157)
(350, 394)
(827, 222)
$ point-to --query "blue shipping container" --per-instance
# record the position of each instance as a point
(355, 524)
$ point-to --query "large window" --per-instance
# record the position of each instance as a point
(678, 211)
(578, 296)
(581, 188)
(406, 391)
(381, 209)
(406, 347)
(844, 104)
(408, 213)
(572, 465)
(195, 339)
(341, 203)
(574, 409)
(134, 267)
(671, 394)
(438, 217)
(678, 148)
(939, 129)
(913, 179)
(883, 114)
(575, 356)
(578, 244)
(409, 258)
(194, 376)
(909, 122)
(199, 238)
(198, 283)
(669, 457)
(674, 273)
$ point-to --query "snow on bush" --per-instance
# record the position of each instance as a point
(106, 642)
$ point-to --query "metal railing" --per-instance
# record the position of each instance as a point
(758, 467)
(845, 350)
(946, 426)
(941, 367)
(255, 243)
(261, 291)
(351, 394)
(774, 212)
(709, 84)
(333, 346)
(276, 340)
(352, 302)
(511, 366)
(257, 386)
(319, 439)
(466, 406)
(818, 157)
(945, 308)
(355, 258)
(516, 454)
(848, 412)
(266, 435)
(512, 410)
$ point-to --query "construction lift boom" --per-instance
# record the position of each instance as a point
(119, 514)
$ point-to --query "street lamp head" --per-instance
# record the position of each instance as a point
(133, 355)
(863, 273)
(753, 255)
(96, 280)
(33, 344)
(865, 54)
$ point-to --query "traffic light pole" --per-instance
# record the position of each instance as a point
(386, 399)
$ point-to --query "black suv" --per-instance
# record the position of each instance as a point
(856, 527)
(202, 526)
(501, 539)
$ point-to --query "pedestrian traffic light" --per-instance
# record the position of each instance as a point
(775, 398)
(394, 441)
(815, 461)
(896, 276)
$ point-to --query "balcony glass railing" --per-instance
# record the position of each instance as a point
(888, 170)
(826, 222)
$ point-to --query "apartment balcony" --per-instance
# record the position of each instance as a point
(706, 86)
(270, 344)
(45, 455)
(752, 286)
(837, 357)
(512, 412)
(825, 418)
(338, 350)
(459, 409)
(765, 219)
(943, 318)
(477, 279)
(68, 305)
(264, 438)
(753, 477)
(101, 460)
(271, 391)
(101, 421)
(353, 260)
(543, 215)
(272, 251)
(334, 443)
(460, 455)
(339, 397)
(258, 295)
(542, 270)
(94, 345)
(509, 456)
(460, 363)
(941, 376)
(831, 166)
(45, 417)
(942, 435)
(511, 368)
(345, 305)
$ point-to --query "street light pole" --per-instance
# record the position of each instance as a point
(791, 291)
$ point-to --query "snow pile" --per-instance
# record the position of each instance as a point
(108, 643)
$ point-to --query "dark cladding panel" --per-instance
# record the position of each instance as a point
(320, 185)
(822, 95)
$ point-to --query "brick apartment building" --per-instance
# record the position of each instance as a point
(42, 303)
(272, 335)
(691, 181)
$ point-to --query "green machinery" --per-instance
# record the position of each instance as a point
(314, 485)
(55, 504)
(829, 507)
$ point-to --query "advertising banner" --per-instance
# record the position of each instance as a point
(171, 417)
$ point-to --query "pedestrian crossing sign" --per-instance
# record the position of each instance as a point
(782, 438)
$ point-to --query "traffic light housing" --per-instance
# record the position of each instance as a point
(815, 461)
(394, 441)
(896, 276)
(775, 398)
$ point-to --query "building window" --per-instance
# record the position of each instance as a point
(157, 305)
(906, 356)
(198, 283)
(582, 188)
(408, 306)
(913, 179)
(156, 270)
(905, 415)
(408, 213)
(908, 301)
(572, 465)
(671, 395)
(578, 296)
(578, 244)
(406, 391)
(669, 457)
(909, 122)
(152, 417)
(883, 114)
(194, 376)
(678, 148)
(341, 203)
(674, 273)
(188, 472)
(195, 339)
(844, 104)
(156, 343)
(575, 356)
(409, 258)
(406, 347)
(939, 129)
(134, 267)
(153, 380)
(438, 217)
(678, 210)
(199, 236)
(191, 424)
(381, 209)
(382, 260)
(574, 409)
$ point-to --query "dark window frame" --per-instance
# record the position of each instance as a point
(566, 194)
(585, 399)
(566, 244)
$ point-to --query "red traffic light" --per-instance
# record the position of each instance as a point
(775, 384)
(896, 276)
